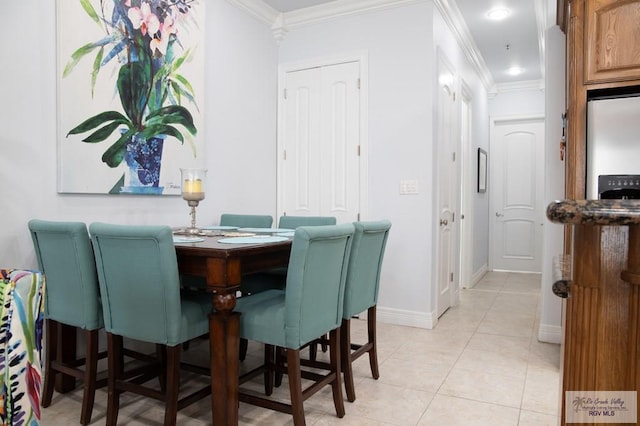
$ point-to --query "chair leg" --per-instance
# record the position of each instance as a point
(90, 371)
(295, 386)
(334, 361)
(116, 367)
(51, 350)
(373, 352)
(345, 359)
(279, 362)
(161, 354)
(244, 346)
(269, 371)
(172, 385)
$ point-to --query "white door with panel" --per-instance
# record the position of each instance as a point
(516, 189)
(319, 164)
(447, 184)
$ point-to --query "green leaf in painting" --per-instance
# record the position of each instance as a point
(104, 132)
(133, 87)
(97, 120)
(88, 7)
(114, 155)
(96, 68)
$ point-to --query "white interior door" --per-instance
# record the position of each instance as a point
(467, 188)
(516, 179)
(320, 163)
(447, 184)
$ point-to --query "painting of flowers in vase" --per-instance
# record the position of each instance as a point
(130, 81)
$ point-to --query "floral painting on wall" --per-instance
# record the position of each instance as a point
(130, 88)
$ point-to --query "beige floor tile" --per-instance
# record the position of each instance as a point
(499, 363)
(483, 387)
(529, 418)
(504, 344)
(386, 403)
(450, 411)
(508, 324)
(542, 391)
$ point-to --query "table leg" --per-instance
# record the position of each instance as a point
(224, 343)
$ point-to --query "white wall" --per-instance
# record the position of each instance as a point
(240, 110)
(527, 101)
(551, 310)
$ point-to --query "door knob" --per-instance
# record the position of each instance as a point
(499, 214)
(444, 222)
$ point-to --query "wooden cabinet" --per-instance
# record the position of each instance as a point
(612, 40)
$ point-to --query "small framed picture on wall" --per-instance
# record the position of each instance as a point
(482, 170)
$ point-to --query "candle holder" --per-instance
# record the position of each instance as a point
(193, 193)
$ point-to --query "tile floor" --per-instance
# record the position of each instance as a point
(481, 365)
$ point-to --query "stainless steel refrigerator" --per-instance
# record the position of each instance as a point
(613, 141)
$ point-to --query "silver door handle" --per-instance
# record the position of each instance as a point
(444, 222)
(499, 214)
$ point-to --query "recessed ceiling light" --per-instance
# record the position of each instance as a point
(515, 71)
(498, 14)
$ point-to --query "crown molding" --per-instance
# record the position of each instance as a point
(281, 22)
(337, 8)
(520, 86)
(258, 9)
(542, 19)
(453, 17)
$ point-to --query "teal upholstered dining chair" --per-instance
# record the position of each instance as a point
(275, 278)
(292, 222)
(309, 307)
(142, 300)
(361, 294)
(246, 220)
(65, 256)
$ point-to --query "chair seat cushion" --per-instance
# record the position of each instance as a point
(262, 317)
(195, 308)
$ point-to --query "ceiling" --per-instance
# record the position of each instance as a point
(514, 41)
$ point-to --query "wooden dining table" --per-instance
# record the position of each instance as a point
(223, 265)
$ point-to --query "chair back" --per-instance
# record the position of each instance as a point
(365, 263)
(314, 292)
(65, 256)
(292, 222)
(246, 220)
(138, 275)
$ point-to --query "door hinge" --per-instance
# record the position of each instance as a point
(358, 151)
(284, 154)
(453, 217)
(453, 157)
(358, 83)
(454, 96)
(358, 217)
(285, 93)
(451, 277)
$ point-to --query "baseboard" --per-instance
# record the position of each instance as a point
(550, 333)
(477, 276)
(405, 318)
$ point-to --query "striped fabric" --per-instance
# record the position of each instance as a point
(21, 320)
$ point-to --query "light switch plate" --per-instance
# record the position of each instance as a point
(408, 187)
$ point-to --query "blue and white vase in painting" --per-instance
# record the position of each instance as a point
(143, 159)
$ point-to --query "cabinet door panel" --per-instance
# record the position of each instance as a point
(613, 40)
